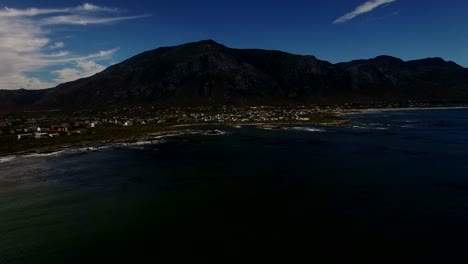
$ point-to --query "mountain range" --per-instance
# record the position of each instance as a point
(208, 73)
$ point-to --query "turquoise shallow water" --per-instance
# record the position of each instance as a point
(388, 185)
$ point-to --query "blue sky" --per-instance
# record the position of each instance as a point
(44, 43)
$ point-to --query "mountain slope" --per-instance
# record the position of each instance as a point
(20, 99)
(206, 72)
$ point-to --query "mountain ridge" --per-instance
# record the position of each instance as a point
(206, 73)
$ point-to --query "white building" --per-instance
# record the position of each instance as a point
(94, 124)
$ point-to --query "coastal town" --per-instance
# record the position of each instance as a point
(51, 126)
(55, 124)
(43, 131)
(32, 131)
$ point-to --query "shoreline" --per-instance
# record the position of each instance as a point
(90, 146)
(178, 130)
(379, 110)
(233, 124)
(172, 131)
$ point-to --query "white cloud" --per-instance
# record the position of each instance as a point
(57, 45)
(85, 20)
(101, 55)
(362, 9)
(83, 69)
(59, 54)
(12, 12)
(95, 8)
(26, 45)
(20, 81)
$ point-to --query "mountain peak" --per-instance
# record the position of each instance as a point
(208, 42)
(386, 58)
(203, 43)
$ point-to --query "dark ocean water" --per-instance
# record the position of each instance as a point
(391, 184)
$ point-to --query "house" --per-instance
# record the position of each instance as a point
(94, 124)
(25, 136)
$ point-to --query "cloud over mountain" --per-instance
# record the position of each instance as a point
(28, 44)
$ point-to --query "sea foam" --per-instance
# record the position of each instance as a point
(38, 155)
(306, 129)
(7, 159)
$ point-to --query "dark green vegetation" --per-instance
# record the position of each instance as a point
(208, 73)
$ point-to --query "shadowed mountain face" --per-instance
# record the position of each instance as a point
(19, 99)
(206, 72)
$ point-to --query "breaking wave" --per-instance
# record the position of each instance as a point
(7, 159)
(306, 129)
(48, 154)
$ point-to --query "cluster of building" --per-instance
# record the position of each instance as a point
(127, 117)
(43, 133)
(248, 115)
(28, 128)
(79, 126)
(219, 115)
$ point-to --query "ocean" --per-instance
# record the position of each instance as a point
(389, 184)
